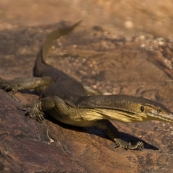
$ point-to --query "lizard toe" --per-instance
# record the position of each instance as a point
(35, 113)
(136, 145)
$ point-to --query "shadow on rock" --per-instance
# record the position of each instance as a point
(101, 133)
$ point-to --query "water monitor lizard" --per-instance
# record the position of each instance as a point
(66, 100)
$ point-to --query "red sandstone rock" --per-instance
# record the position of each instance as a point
(119, 66)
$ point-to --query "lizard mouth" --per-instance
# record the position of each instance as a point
(160, 117)
(128, 116)
(119, 115)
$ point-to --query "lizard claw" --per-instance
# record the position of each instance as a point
(140, 145)
(117, 145)
(136, 146)
(35, 113)
(24, 107)
(129, 145)
(37, 116)
(32, 111)
(10, 89)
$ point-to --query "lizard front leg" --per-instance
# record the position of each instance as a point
(112, 133)
(36, 83)
(45, 105)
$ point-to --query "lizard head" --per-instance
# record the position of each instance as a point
(126, 108)
(146, 110)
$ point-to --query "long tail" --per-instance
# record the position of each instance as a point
(40, 62)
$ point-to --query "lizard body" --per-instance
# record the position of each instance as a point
(66, 100)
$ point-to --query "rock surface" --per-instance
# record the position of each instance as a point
(109, 63)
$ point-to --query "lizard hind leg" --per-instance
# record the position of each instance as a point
(112, 133)
(37, 110)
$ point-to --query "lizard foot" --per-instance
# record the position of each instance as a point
(129, 145)
(34, 112)
(8, 86)
(136, 146)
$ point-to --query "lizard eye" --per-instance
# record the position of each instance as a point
(158, 111)
(142, 108)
